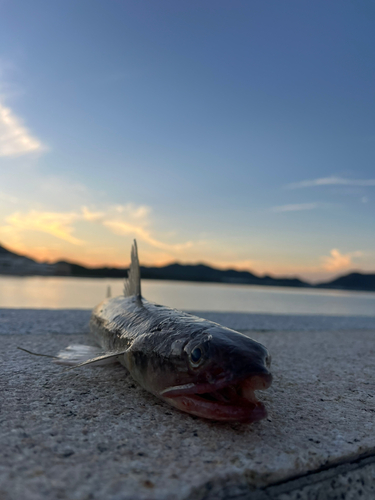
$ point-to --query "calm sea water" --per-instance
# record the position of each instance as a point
(67, 293)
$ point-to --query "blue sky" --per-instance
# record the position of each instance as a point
(237, 133)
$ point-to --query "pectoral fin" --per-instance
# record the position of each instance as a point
(36, 353)
(79, 355)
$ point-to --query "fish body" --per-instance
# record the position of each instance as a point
(193, 364)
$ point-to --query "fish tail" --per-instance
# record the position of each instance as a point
(132, 284)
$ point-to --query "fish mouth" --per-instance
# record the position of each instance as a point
(223, 400)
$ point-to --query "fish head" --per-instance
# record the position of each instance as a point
(216, 375)
(223, 354)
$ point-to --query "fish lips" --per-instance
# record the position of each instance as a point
(224, 400)
(258, 381)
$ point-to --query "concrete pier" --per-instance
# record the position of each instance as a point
(92, 433)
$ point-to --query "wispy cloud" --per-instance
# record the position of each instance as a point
(126, 219)
(54, 223)
(300, 206)
(143, 234)
(338, 261)
(15, 139)
(332, 181)
(131, 220)
(130, 212)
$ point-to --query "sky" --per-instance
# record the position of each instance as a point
(237, 133)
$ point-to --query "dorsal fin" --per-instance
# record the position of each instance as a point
(132, 285)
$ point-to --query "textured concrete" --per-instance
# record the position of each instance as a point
(92, 433)
(350, 481)
(76, 321)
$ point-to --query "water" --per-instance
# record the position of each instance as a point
(67, 293)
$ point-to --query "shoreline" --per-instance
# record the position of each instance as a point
(62, 293)
(305, 286)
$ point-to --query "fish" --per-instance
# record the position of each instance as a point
(192, 364)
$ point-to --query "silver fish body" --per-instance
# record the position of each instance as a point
(159, 343)
(193, 364)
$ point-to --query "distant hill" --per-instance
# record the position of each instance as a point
(181, 272)
(5, 251)
(202, 272)
(73, 269)
(352, 281)
(208, 274)
(12, 263)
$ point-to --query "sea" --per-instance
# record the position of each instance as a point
(85, 293)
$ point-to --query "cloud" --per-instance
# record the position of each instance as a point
(135, 212)
(332, 181)
(15, 139)
(88, 215)
(300, 206)
(337, 261)
(129, 214)
(119, 227)
(54, 223)
(132, 220)
(126, 219)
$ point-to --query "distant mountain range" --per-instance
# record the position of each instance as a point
(181, 272)
(15, 264)
(12, 263)
(352, 281)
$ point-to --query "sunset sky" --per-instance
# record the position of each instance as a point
(236, 133)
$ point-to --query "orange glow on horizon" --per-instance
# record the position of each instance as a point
(51, 255)
(97, 249)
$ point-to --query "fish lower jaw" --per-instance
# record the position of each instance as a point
(235, 402)
(201, 406)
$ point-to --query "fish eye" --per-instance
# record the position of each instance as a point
(196, 355)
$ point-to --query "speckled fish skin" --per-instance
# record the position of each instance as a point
(156, 344)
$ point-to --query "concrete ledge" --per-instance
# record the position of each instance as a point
(94, 434)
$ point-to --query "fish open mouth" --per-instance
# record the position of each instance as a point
(227, 401)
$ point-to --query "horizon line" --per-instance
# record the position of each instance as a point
(203, 263)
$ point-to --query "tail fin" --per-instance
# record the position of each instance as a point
(132, 285)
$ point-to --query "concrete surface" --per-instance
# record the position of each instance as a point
(76, 321)
(92, 433)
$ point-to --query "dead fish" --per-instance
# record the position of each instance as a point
(193, 364)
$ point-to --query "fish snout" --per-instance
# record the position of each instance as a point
(260, 382)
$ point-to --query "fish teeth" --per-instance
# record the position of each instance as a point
(247, 389)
